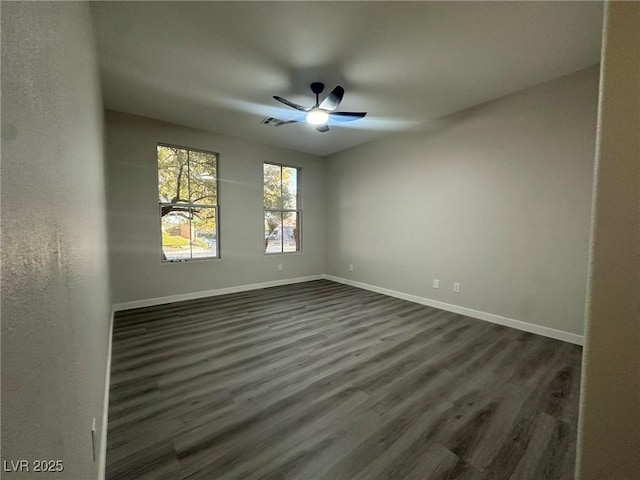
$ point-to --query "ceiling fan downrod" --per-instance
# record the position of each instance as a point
(317, 88)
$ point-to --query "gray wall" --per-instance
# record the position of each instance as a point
(496, 197)
(55, 298)
(609, 433)
(134, 224)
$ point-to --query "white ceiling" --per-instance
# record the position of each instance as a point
(216, 65)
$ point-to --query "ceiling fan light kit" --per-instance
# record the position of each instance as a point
(317, 116)
(322, 112)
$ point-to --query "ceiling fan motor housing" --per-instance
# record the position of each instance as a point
(317, 87)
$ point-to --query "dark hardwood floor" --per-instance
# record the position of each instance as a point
(320, 380)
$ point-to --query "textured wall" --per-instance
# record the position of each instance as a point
(55, 298)
(134, 225)
(609, 440)
(496, 197)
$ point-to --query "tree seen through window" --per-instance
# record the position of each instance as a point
(282, 212)
(188, 201)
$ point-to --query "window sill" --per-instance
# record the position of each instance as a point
(282, 253)
(190, 260)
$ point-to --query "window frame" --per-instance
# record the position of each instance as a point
(282, 211)
(190, 205)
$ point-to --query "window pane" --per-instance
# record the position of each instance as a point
(272, 186)
(272, 231)
(172, 174)
(290, 188)
(176, 234)
(202, 178)
(205, 241)
(290, 232)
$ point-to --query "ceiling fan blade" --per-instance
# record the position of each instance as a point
(287, 122)
(346, 116)
(333, 99)
(322, 128)
(291, 104)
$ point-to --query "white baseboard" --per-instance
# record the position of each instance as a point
(102, 454)
(211, 293)
(489, 317)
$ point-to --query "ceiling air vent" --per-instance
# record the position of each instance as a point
(275, 122)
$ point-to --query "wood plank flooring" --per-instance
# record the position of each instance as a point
(320, 380)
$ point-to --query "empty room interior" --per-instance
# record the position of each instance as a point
(320, 240)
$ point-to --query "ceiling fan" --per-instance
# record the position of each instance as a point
(320, 114)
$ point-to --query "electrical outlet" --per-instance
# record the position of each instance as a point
(351, 267)
(456, 287)
(279, 267)
(436, 283)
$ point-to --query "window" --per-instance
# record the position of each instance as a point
(188, 193)
(282, 213)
